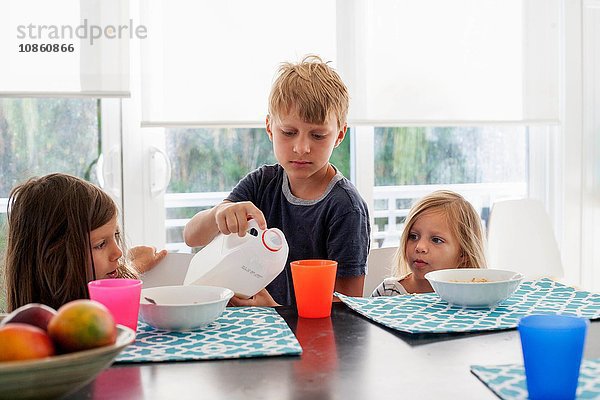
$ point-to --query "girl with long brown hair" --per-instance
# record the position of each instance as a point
(62, 233)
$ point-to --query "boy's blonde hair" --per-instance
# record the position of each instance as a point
(463, 220)
(311, 88)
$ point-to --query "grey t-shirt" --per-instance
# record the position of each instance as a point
(335, 226)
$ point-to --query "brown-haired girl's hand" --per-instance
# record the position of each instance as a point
(262, 298)
(144, 258)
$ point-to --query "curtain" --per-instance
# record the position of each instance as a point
(66, 48)
(406, 62)
(212, 62)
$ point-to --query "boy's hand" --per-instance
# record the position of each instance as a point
(262, 298)
(233, 217)
(144, 258)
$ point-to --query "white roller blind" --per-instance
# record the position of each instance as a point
(404, 61)
(212, 62)
(460, 60)
(65, 47)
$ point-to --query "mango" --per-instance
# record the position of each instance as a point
(35, 314)
(82, 324)
(24, 342)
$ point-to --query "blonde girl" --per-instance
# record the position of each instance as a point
(442, 231)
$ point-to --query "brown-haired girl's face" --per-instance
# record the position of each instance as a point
(431, 245)
(106, 252)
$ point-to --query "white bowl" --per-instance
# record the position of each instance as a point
(57, 376)
(183, 308)
(456, 286)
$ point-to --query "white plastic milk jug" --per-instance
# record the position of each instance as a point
(243, 264)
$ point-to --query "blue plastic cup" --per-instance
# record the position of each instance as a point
(552, 351)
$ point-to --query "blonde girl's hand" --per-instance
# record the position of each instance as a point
(262, 298)
(233, 217)
(144, 258)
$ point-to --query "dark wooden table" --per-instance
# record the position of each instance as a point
(345, 357)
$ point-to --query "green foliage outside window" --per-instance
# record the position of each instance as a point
(424, 156)
(40, 136)
(214, 160)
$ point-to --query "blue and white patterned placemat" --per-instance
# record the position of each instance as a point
(508, 381)
(428, 313)
(238, 333)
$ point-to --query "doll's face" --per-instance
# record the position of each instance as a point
(106, 252)
(431, 245)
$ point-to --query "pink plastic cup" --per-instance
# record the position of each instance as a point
(120, 296)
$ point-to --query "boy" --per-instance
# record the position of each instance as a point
(319, 211)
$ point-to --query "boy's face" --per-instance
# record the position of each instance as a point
(303, 149)
(105, 249)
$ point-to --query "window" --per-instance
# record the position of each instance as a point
(491, 63)
(207, 163)
(48, 135)
(484, 164)
(481, 163)
(40, 136)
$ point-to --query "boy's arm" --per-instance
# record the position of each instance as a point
(226, 218)
(202, 228)
(350, 286)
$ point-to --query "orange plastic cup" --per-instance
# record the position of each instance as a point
(314, 281)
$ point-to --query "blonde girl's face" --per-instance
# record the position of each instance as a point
(105, 249)
(431, 246)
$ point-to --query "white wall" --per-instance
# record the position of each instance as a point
(578, 179)
(590, 259)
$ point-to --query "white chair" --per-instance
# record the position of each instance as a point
(170, 271)
(520, 238)
(379, 265)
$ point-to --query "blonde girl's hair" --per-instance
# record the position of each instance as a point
(312, 89)
(48, 257)
(463, 220)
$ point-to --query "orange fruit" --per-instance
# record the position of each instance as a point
(24, 342)
(81, 325)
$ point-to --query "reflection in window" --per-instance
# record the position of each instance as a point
(482, 163)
